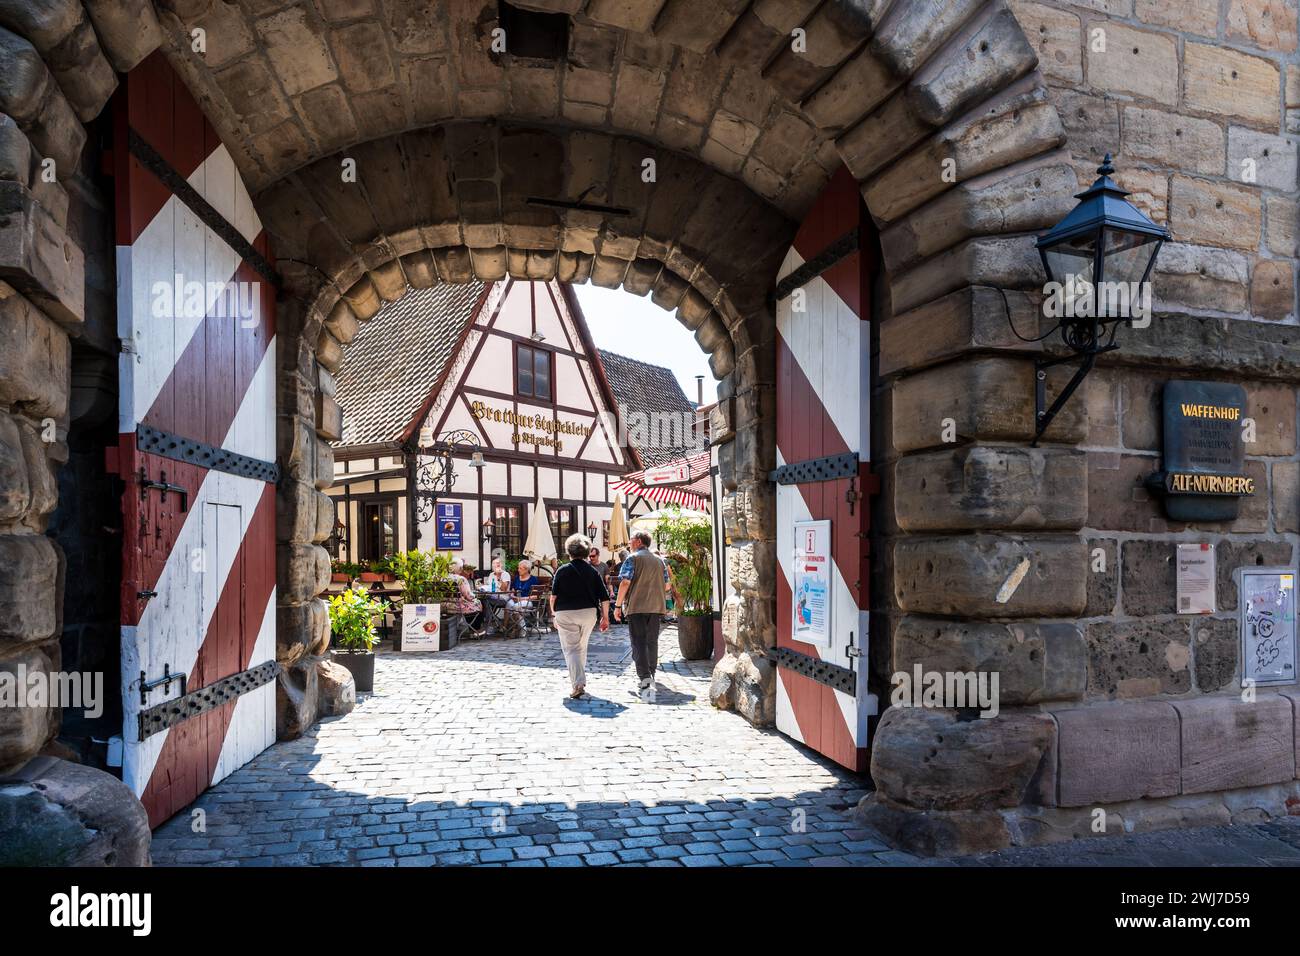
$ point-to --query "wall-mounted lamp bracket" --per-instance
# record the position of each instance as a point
(1043, 414)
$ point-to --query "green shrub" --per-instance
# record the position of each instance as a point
(688, 544)
(425, 576)
(352, 618)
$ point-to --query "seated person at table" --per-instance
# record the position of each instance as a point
(465, 602)
(500, 575)
(523, 584)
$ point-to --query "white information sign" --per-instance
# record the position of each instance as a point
(421, 624)
(1268, 636)
(811, 582)
(667, 475)
(1196, 579)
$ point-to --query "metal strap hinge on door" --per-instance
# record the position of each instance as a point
(841, 678)
(830, 468)
(155, 441)
(842, 247)
(172, 712)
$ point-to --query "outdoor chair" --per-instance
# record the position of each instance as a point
(537, 617)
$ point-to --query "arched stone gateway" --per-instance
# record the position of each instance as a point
(475, 200)
(967, 124)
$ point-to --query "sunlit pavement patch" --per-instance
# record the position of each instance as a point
(477, 756)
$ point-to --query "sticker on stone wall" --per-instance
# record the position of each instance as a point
(1267, 609)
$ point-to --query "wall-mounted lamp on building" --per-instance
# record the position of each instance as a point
(476, 459)
(591, 530)
(1098, 261)
(537, 337)
(488, 530)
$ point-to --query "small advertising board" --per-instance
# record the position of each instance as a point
(449, 526)
(421, 624)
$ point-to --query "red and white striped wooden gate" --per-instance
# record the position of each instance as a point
(823, 470)
(196, 452)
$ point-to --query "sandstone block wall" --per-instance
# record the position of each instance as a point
(1197, 102)
(984, 545)
(57, 358)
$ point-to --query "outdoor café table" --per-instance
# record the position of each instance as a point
(494, 610)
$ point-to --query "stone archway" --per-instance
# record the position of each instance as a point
(458, 202)
(943, 119)
(938, 110)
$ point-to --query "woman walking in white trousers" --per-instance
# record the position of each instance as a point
(578, 597)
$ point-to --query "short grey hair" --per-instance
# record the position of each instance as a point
(456, 564)
(578, 546)
(643, 537)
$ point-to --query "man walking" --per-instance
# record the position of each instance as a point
(643, 580)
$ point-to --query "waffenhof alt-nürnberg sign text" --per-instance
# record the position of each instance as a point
(1204, 476)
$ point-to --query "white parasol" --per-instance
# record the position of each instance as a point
(541, 543)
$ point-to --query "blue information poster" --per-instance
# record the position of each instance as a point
(812, 582)
(449, 525)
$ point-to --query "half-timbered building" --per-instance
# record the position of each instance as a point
(503, 380)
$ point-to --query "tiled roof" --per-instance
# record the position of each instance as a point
(392, 365)
(640, 386)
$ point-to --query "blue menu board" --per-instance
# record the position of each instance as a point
(449, 525)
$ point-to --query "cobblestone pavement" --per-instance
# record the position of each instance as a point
(477, 756)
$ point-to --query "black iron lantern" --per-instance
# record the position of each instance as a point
(591, 530)
(1105, 238)
(489, 530)
(1098, 261)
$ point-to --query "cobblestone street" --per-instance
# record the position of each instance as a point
(477, 756)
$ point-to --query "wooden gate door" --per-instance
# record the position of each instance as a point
(823, 477)
(196, 449)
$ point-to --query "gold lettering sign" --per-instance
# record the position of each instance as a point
(1226, 412)
(1195, 483)
(551, 427)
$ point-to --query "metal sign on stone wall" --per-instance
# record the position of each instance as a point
(1203, 478)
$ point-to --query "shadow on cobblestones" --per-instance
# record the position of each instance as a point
(478, 756)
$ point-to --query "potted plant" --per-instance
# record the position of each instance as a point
(352, 621)
(426, 586)
(343, 572)
(380, 569)
(688, 543)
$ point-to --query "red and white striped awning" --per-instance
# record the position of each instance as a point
(692, 493)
